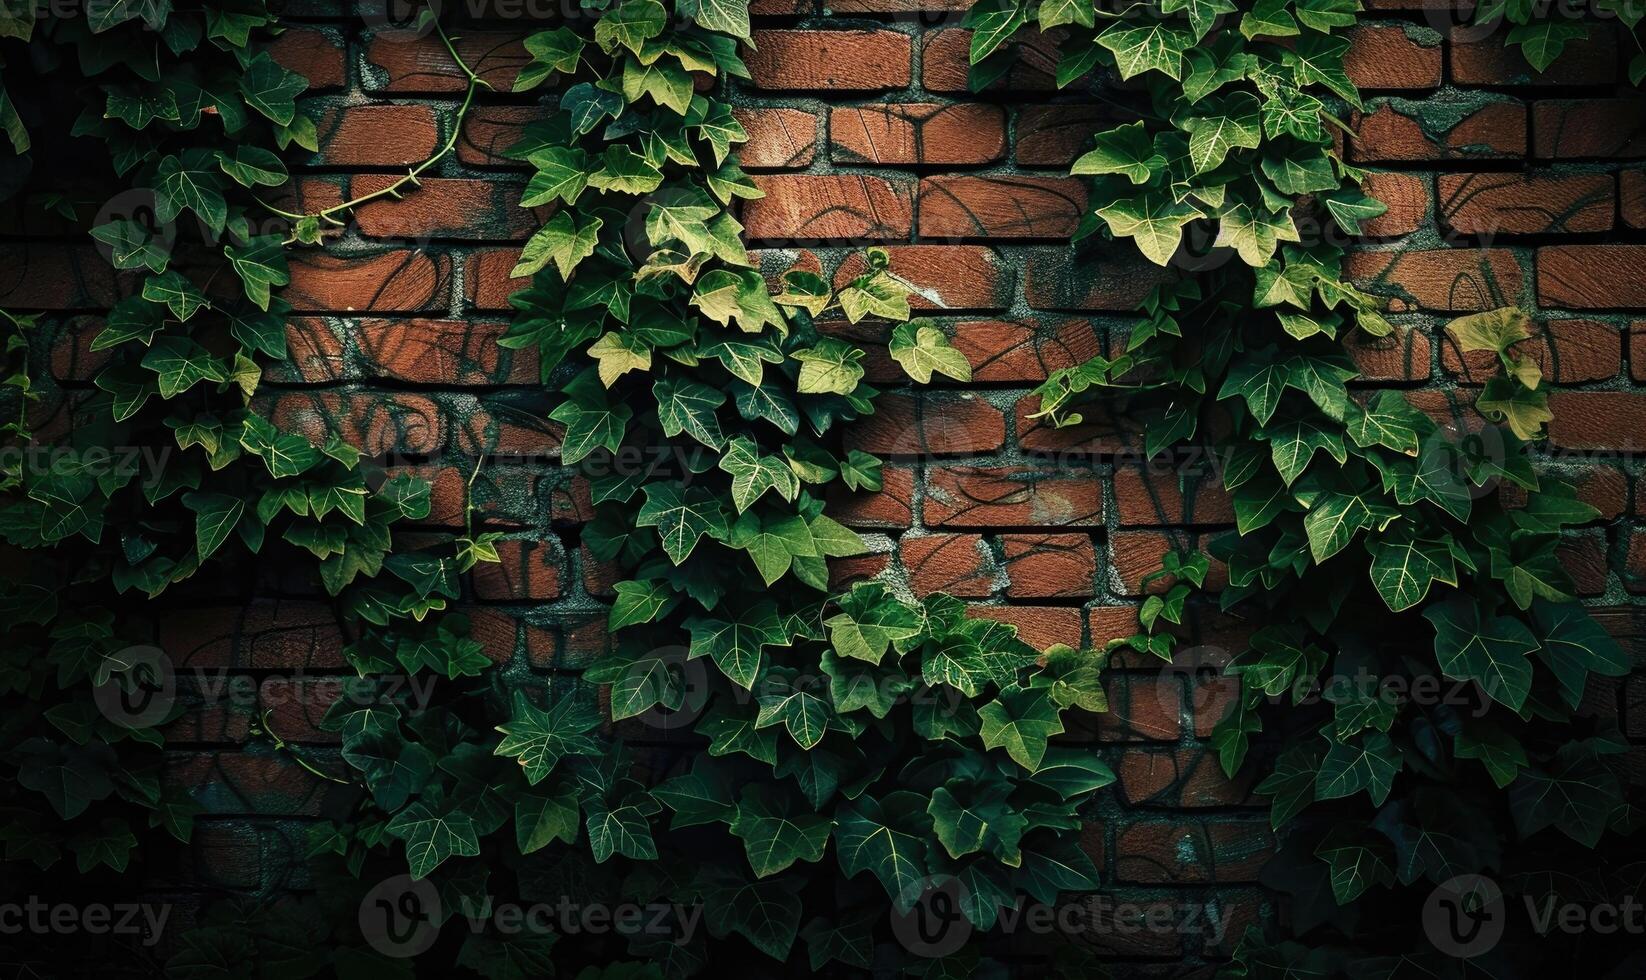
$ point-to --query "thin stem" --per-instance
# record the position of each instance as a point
(281, 745)
(411, 177)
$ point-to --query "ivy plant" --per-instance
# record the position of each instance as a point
(1378, 552)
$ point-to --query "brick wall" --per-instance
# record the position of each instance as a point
(1503, 187)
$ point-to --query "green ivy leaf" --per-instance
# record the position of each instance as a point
(539, 739)
(1492, 651)
(921, 348)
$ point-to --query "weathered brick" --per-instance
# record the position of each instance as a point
(943, 277)
(827, 207)
(929, 424)
(1192, 852)
(1608, 420)
(1000, 207)
(892, 506)
(441, 352)
(1053, 135)
(1384, 134)
(1388, 56)
(1589, 277)
(1439, 279)
(1038, 626)
(1010, 496)
(1490, 60)
(1568, 351)
(490, 130)
(779, 138)
(1114, 278)
(373, 422)
(1147, 494)
(314, 53)
(1023, 351)
(829, 61)
(1526, 203)
(1403, 355)
(1049, 566)
(957, 564)
(917, 132)
(472, 210)
(1184, 778)
(1407, 196)
(377, 136)
(1570, 129)
(400, 281)
(529, 570)
(945, 63)
(398, 64)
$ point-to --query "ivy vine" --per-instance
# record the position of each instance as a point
(1377, 552)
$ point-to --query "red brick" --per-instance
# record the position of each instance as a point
(1111, 278)
(929, 425)
(315, 54)
(399, 64)
(957, 564)
(1632, 198)
(1407, 196)
(1212, 698)
(1587, 277)
(1578, 128)
(1583, 555)
(1011, 496)
(892, 506)
(1439, 279)
(44, 276)
(917, 132)
(1403, 355)
(1637, 350)
(1634, 575)
(529, 570)
(1496, 130)
(390, 282)
(1099, 433)
(498, 428)
(1000, 207)
(1185, 778)
(1386, 56)
(236, 783)
(1491, 61)
(1192, 852)
(473, 210)
(445, 352)
(1150, 494)
(1606, 489)
(314, 354)
(844, 572)
(1049, 566)
(296, 706)
(486, 281)
(817, 207)
(1136, 554)
(945, 62)
(1038, 626)
(373, 422)
(829, 61)
(1526, 203)
(779, 138)
(279, 634)
(377, 136)
(1568, 351)
(1142, 708)
(943, 277)
(1607, 420)
(489, 130)
(1109, 623)
(1012, 351)
(1053, 135)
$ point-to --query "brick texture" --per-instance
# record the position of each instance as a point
(1503, 187)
